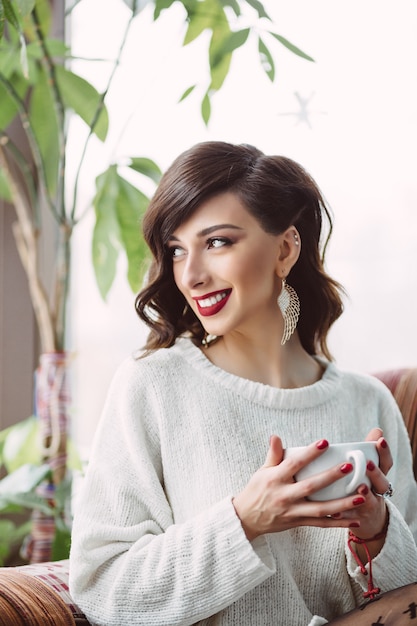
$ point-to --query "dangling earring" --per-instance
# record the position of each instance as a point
(289, 305)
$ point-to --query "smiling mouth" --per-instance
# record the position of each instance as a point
(213, 303)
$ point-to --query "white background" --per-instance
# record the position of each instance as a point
(358, 140)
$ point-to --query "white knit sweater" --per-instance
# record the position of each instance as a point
(156, 540)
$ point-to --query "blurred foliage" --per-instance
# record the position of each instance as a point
(21, 462)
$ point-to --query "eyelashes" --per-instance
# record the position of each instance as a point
(218, 242)
(212, 243)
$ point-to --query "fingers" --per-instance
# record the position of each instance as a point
(385, 457)
(379, 482)
(374, 434)
(338, 513)
(275, 452)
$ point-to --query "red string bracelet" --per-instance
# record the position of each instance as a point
(372, 590)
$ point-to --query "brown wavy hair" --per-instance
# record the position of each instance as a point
(279, 193)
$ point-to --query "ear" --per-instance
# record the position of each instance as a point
(289, 249)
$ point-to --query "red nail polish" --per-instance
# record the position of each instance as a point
(354, 525)
(370, 466)
(364, 490)
(384, 444)
(358, 500)
(322, 444)
(346, 468)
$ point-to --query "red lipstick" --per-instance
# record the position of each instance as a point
(212, 303)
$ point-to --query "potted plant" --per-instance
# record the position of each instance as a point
(39, 93)
(26, 473)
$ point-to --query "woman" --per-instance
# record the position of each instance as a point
(187, 515)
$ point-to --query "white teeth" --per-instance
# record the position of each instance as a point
(212, 300)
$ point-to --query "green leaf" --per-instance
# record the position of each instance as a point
(11, 535)
(61, 544)
(24, 7)
(196, 25)
(2, 18)
(28, 500)
(56, 48)
(130, 207)
(267, 61)
(106, 235)
(291, 47)
(18, 486)
(206, 108)
(80, 96)
(187, 93)
(203, 15)
(218, 59)
(220, 66)
(230, 43)
(233, 4)
(21, 444)
(147, 167)
(44, 15)
(44, 120)
(160, 5)
(11, 15)
(62, 494)
(259, 7)
(9, 107)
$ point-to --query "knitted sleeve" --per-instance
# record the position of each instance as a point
(396, 564)
(130, 563)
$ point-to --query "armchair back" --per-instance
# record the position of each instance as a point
(403, 386)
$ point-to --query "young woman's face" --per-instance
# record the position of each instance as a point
(225, 265)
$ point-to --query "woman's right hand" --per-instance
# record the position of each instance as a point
(272, 501)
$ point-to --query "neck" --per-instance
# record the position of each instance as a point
(266, 362)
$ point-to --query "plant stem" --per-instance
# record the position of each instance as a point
(25, 171)
(26, 237)
(62, 283)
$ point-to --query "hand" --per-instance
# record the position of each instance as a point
(272, 501)
(371, 516)
(373, 513)
(385, 458)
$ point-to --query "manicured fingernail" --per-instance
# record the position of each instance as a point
(384, 444)
(359, 500)
(346, 468)
(354, 525)
(370, 466)
(364, 490)
(322, 444)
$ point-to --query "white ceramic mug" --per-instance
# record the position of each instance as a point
(357, 453)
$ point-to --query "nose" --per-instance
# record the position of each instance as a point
(193, 272)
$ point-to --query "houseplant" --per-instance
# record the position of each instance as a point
(26, 471)
(39, 93)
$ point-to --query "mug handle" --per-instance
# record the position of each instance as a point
(359, 470)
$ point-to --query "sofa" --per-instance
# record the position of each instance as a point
(38, 594)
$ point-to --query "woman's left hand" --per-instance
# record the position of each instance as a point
(372, 514)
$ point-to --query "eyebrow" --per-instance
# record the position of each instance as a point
(209, 230)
